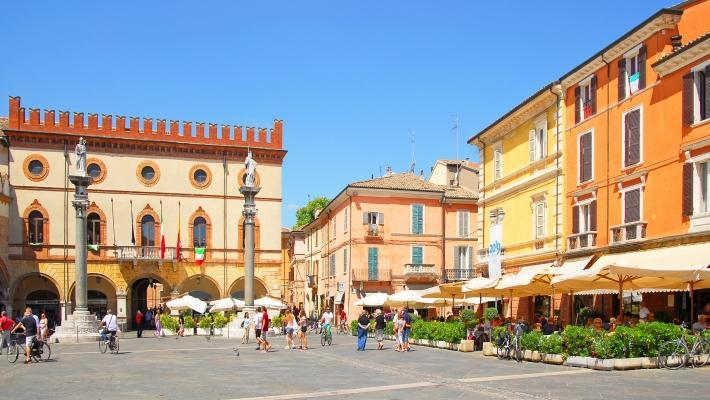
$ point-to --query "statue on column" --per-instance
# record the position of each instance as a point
(81, 160)
(250, 166)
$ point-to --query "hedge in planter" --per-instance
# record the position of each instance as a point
(531, 341)
(205, 322)
(168, 322)
(219, 321)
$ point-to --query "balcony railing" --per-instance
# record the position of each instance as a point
(457, 274)
(144, 253)
(312, 280)
(365, 275)
(419, 269)
(582, 240)
(628, 232)
(373, 230)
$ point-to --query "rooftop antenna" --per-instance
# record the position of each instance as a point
(413, 161)
(456, 128)
(380, 171)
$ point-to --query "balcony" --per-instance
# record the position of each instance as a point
(312, 280)
(628, 232)
(458, 274)
(375, 275)
(584, 240)
(420, 272)
(373, 232)
(145, 253)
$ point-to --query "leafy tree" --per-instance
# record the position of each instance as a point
(307, 214)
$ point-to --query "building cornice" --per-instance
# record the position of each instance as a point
(518, 186)
(675, 61)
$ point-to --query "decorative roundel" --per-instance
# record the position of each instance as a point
(148, 173)
(242, 175)
(200, 176)
(35, 167)
(96, 169)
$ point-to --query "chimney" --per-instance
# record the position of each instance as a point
(388, 171)
(676, 41)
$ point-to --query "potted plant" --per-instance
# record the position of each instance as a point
(168, 325)
(551, 349)
(575, 342)
(530, 342)
(219, 322)
(205, 325)
(189, 324)
(468, 318)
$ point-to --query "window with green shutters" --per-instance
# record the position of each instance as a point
(417, 219)
(372, 264)
(332, 264)
(345, 261)
(417, 255)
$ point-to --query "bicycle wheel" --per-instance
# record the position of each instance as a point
(322, 339)
(672, 355)
(701, 353)
(517, 353)
(103, 345)
(114, 350)
(13, 352)
(42, 351)
(330, 339)
(502, 351)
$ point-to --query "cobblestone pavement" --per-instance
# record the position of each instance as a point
(196, 368)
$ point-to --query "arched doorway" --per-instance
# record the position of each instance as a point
(146, 293)
(200, 286)
(41, 294)
(237, 289)
(101, 295)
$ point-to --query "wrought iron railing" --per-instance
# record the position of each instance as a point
(419, 269)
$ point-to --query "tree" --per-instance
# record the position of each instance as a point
(307, 214)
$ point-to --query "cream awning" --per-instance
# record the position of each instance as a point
(529, 281)
(445, 291)
(573, 265)
(372, 300)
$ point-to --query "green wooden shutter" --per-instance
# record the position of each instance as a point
(345, 261)
(417, 219)
(417, 255)
(372, 264)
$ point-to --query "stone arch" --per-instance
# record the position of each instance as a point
(257, 233)
(200, 213)
(260, 288)
(103, 284)
(202, 283)
(137, 296)
(147, 210)
(37, 282)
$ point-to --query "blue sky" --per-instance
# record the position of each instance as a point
(351, 80)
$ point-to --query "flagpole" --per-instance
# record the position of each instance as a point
(133, 235)
(113, 227)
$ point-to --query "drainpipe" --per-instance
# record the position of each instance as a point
(224, 222)
(557, 164)
(608, 150)
(443, 235)
(482, 178)
(66, 228)
(350, 248)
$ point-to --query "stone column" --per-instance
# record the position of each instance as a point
(249, 213)
(80, 202)
(121, 309)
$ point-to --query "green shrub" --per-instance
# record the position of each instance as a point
(168, 322)
(468, 317)
(497, 332)
(189, 322)
(389, 328)
(353, 327)
(205, 321)
(219, 321)
(531, 341)
(277, 321)
(551, 344)
(576, 341)
(490, 314)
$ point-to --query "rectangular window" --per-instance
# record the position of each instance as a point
(632, 205)
(462, 219)
(585, 100)
(539, 219)
(417, 219)
(335, 226)
(586, 157)
(632, 137)
(373, 218)
(345, 261)
(345, 221)
(316, 237)
(696, 94)
(417, 255)
(498, 162)
(584, 218)
(372, 264)
(333, 264)
(462, 257)
(537, 139)
(704, 186)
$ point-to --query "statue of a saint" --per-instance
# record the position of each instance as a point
(81, 160)
(250, 166)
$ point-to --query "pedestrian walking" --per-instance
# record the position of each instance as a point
(5, 325)
(181, 326)
(395, 333)
(246, 324)
(158, 326)
(148, 319)
(265, 329)
(406, 330)
(257, 328)
(43, 327)
(303, 324)
(138, 320)
(380, 325)
(289, 322)
(363, 324)
(399, 331)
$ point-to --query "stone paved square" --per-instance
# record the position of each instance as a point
(197, 368)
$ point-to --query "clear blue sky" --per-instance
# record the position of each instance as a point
(350, 81)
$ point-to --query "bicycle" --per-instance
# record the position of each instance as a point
(343, 329)
(41, 351)
(326, 337)
(509, 347)
(108, 342)
(675, 354)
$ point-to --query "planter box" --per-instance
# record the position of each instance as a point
(576, 361)
(466, 346)
(527, 355)
(489, 349)
(556, 359)
(535, 356)
(189, 332)
(203, 332)
(623, 364)
(167, 332)
(600, 364)
(649, 362)
(218, 331)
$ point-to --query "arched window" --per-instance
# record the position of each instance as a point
(93, 229)
(35, 229)
(147, 231)
(199, 232)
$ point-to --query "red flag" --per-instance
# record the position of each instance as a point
(177, 247)
(162, 232)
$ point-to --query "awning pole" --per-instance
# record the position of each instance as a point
(480, 305)
(692, 304)
(510, 305)
(552, 302)
(621, 299)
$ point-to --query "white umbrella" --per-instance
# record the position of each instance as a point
(187, 302)
(270, 303)
(225, 304)
(372, 300)
(474, 301)
(411, 298)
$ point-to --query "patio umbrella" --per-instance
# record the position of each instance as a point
(225, 304)
(413, 298)
(531, 281)
(474, 301)
(187, 302)
(372, 300)
(270, 303)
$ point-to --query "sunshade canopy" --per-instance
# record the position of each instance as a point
(187, 302)
(372, 300)
(225, 304)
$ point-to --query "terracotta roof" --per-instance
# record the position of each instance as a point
(409, 181)
(682, 48)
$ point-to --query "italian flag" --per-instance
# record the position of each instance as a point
(199, 255)
(93, 247)
(634, 82)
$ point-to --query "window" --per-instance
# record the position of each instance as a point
(631, 145)
(335, 226)
(584, 220)
(417, 255)
(632, 72)
(704, 186)
(462, 257)
(147, 231)
(372, 264)
(696, 94)
(586, 157)
(585, 99)
(345, 261)
(373, 218)
(345, 221)
(199, 232)
(632, 205)
(332, 264)
(539, 219)
(36, 227)
(696, 189)
(537, 139)
(462, 219)
(317, 237)
(94, 170)
(200, 176)
(93, 229)
(417, 219)
(497, 162)
(148, 173)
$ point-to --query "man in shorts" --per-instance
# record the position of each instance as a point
(407, 330)
(257, 328)
(29, 325)
(265, 329)
(327, 320)
(380, 325)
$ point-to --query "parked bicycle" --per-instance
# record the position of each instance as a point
(677, 353)
(41, 351)
(508, 347)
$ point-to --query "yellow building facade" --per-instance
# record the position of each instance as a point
(520, 189)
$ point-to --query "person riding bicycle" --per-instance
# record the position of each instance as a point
(29, 324)
(327, 320)
(342, 320)
(108, 322)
